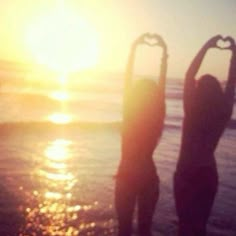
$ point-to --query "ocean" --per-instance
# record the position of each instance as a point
(59, 152)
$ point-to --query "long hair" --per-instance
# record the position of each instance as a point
(209, 98)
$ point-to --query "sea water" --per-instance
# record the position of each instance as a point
(57, 175)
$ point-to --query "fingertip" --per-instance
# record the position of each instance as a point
(219, 36)
(228, 37)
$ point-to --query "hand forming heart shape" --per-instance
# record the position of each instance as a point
(224, 43)
(151, 40)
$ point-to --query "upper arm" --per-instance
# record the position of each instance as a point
(189, 94)
(230, 86)
(229, 98)
(161, 109)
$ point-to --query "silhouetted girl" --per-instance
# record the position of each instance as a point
(207, 110)
(143, 119)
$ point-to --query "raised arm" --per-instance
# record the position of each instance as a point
(189, 85)
(162, 77)
(230, 86)
(129, 69)
(131, 61)
(163, 69)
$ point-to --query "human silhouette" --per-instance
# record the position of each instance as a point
(207, 109)
(137, 182)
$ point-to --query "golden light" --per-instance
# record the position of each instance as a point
(53, 195)
(59, 176)
(58, 150)
(60, 118)
(63, 79)
(56, 165)
(57, 153)
(63, 40)
(60, 95)
(55, 205)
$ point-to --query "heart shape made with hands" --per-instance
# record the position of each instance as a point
(151, 40)
(223, 43)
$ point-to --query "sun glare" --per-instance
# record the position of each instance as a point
(58, 150)
(60, 95)
(62, 79)
(63, 41)
(60, 118)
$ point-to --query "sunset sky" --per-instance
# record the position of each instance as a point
(185, 25)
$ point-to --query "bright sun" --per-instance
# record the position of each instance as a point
(63, 41)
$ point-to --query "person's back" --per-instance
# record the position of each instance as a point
(207, 110)
(144, 114)
(143, 120)
(203, 125)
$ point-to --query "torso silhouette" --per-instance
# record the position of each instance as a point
(142, 127)
(201, 133)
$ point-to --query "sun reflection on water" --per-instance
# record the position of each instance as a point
(54, 213)
(60, 118)
(58, 207)
(58, 150)
(56, 165)
(60, 95)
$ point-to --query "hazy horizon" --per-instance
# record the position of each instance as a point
(185, 27)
